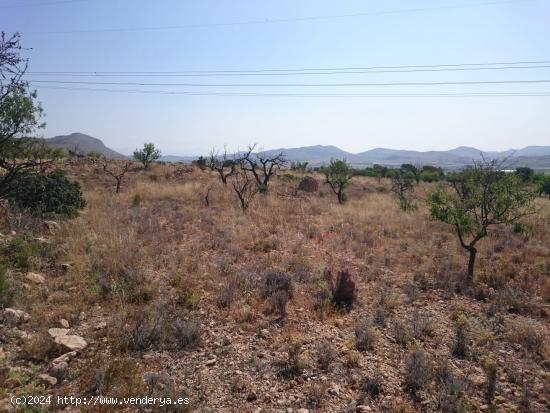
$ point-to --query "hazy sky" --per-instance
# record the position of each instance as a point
(184, 124)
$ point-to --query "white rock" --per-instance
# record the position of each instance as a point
(64, 323)
(15, 317)
(64, 358)
(71, 342)
(56, 332)
(210, 362)
(52, 226)
(35, 277)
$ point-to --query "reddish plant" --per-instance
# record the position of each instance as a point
(342, 288)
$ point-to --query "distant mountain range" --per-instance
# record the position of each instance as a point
(537, 157)
(82, 144)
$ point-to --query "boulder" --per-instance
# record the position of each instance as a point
(14, 317)
(71, 342)
(35, 277)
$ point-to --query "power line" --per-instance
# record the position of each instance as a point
(285, 20)
(47, 3)
(311, 95)
(475, 82)
(448, 65)
(335, 72)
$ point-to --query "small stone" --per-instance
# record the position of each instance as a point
(334, 390)
(41, 240)
(264, 333)
(64, 323)
(210, 362)
(64, 358)
(15, 317)
(52, 226)
(47, 379)
(59, 370)
(484, 407)
(71, 342)
(56, 332)
(302, 410)
(35, 277)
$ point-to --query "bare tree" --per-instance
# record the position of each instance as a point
(222, 164)
(245, 187)
(116, 170)
(262, 165)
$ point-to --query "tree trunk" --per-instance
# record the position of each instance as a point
(118, 182)
(471, 262)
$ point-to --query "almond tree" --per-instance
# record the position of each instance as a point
(338, 174)
(221, 164)
(478, 199)
(262, 165)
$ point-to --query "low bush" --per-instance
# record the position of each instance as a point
(43, 193)
(365, 336)
(325, 355)
(343, 288)
(418, 371)
(275, 281)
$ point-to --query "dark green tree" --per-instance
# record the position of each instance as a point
(477, 199)
(525, 173)
(148, 154)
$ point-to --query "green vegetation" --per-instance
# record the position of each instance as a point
(480, 197)
(338, 174)
(148, 154)
(44, 193)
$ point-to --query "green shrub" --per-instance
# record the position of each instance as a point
(49, 193)
(22, 252)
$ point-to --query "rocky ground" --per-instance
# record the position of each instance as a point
(151, 292)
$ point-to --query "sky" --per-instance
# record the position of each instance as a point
(235, 35)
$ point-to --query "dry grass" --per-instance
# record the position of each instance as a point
(205, 270)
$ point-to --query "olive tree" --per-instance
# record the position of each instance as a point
(149, 153)
(477, 199)
(338, 174)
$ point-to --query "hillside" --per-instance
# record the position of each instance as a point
(83, 144)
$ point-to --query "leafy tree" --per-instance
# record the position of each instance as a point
(525, 173)
(201, 162)
(411, 170)
(431, 174)
(50, 193)
(544, 185)
(149, 153)
(380, 171)
(479, 198)
(20, 116)
(338, 174)
(402, 186)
